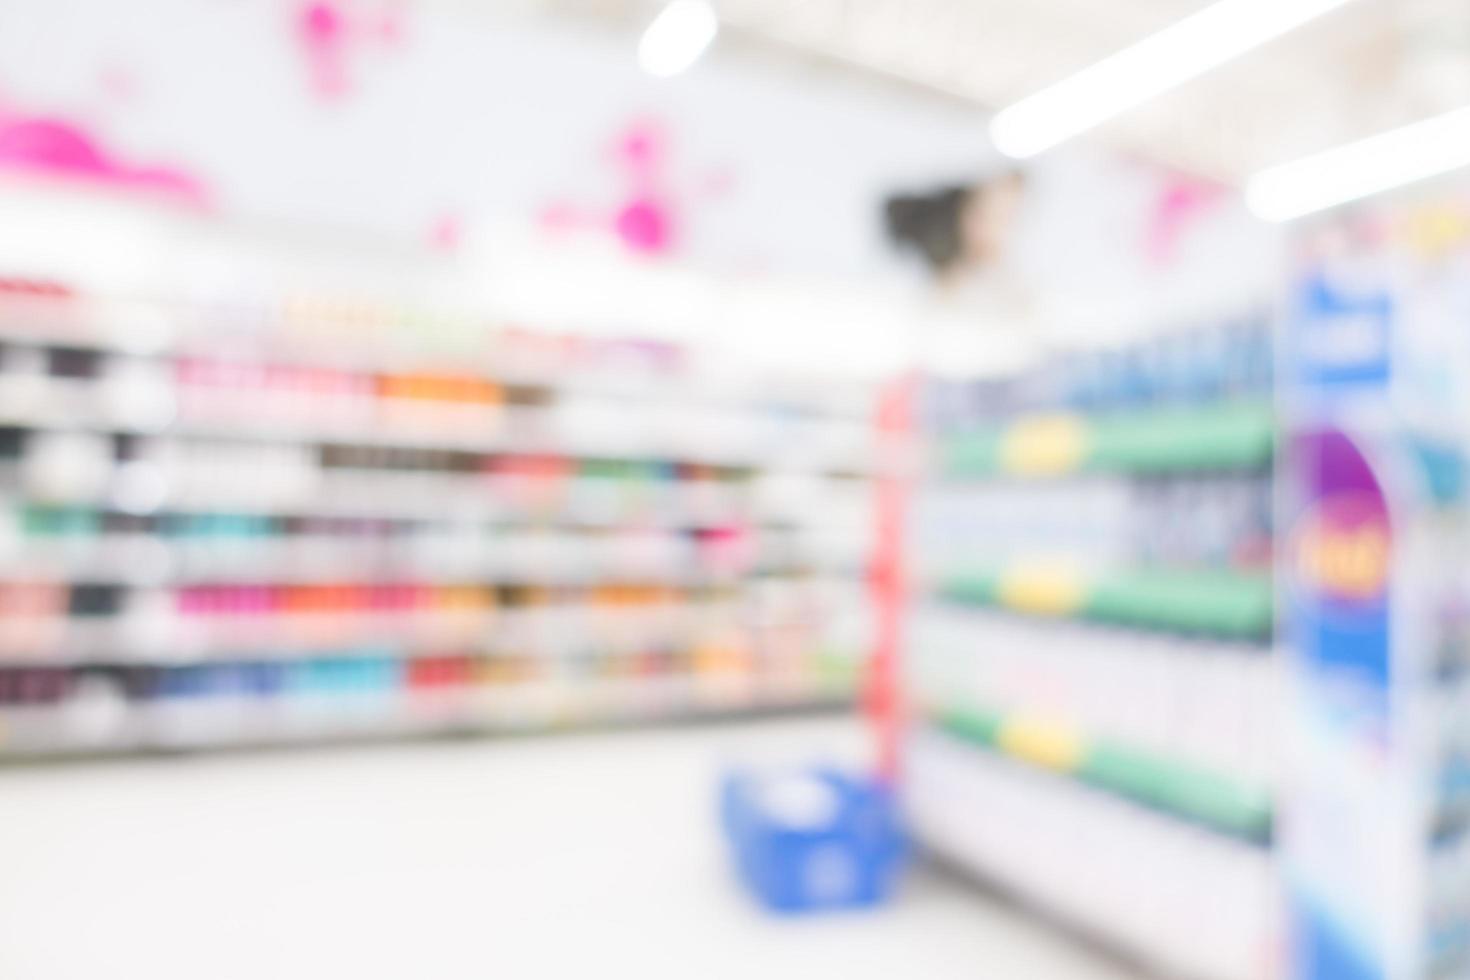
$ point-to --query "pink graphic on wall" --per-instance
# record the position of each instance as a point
(446, 232)
(652, 211)
(118, 84)
(58, 148)
(1181, 203)
(332, 32)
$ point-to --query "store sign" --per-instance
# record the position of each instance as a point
(1338, 337)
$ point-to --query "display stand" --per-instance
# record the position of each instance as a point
(1375, 366)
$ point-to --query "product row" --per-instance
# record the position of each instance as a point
(1450, 705)
(147, 475)
(70, 623)
(1216, 705)
(1220, 437)
(1224, 361)
(62, 387)
(354, 338)
(1192, 520)
(372, 670)
(1443, 692)
(380, 693)
(1449, 905)
(46, 543)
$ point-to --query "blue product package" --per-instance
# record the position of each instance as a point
(298, 678)
(815, 839)
(266, 679)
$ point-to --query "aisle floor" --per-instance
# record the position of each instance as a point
(572, 856)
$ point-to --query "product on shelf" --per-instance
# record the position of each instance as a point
(272, 522)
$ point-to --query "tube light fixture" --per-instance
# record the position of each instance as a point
(1147, 68)
(677, 37)
(1355, 170)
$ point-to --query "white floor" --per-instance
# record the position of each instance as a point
(576, 856)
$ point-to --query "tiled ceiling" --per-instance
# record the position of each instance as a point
(1366, 66)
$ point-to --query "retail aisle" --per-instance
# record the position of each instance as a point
(578, 856)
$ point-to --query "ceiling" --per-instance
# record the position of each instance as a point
(1366, 66)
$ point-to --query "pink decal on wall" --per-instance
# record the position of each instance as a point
(55, 147)
(392, 25)
(118, 83)
(331, 31)
(561, 216)
(1180, 204)
(645, 225)
(446, 233)
(651, 214)
(322, 30)
(718, 182)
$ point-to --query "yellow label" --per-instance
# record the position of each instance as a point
(1043, 590)
(1434, 230)
(1351, 563)
(1045, 445)
(1042, 743)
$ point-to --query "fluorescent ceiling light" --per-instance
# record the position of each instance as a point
(1160, 62)
(677, 37)
(1368, 166)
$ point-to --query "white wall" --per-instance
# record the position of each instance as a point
(490, 119)
(483, 118)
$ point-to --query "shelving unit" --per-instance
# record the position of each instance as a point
(1230, 604)
(1093, 702)
(1232, 435)
(244, 525)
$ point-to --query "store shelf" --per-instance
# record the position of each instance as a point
(1096, 687)
(582, 367)
(1174, 786)
(572, 502)
(294, 622)
(324, 702)
(103, 649)
(538, 530)
(159, 567)
(81, 517)
(1235, 605)
(1230, 436)
(512, 432)
(1176, 900)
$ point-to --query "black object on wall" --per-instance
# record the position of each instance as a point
(929, 224)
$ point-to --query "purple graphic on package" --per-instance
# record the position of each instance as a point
(1340, 554)
(1340, 558)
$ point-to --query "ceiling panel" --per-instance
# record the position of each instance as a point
(1364, 67)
